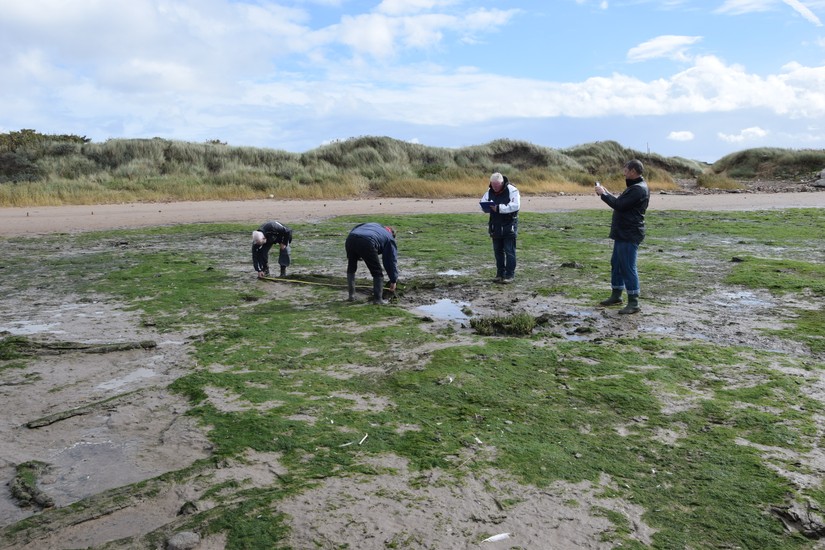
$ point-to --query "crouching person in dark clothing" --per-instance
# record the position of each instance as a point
(366, 242)
(262, 240)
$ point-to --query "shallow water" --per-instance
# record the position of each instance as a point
(445, 309)
(137, 374)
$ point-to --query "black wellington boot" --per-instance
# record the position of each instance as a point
(351, 286)
(283, 271)
(632, 305)
(378, 290)
(615, 298)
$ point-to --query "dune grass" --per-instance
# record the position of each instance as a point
(37, 169)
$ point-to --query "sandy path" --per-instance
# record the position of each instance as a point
(59, 219)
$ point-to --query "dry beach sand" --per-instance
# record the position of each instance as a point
(61, 219)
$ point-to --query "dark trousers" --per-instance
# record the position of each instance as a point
(359, 248)
(504, 249)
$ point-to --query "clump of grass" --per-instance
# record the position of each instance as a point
(520, 324)
(717, 181)
(24, 486)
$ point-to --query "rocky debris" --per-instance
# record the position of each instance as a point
(185, 540)
(805, 519)
(821, 181)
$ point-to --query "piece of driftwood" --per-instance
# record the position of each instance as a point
(16, 346)
(79, 411)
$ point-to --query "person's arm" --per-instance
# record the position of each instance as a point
(631, 197)
(256, 260)
(514, 205)
(390, 260)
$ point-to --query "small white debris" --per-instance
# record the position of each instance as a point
(364, 438)
(495, 538)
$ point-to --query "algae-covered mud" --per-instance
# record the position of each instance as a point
(158, 395)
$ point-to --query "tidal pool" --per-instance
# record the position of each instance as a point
(445, 309)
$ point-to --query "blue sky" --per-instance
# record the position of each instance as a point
(696, 79)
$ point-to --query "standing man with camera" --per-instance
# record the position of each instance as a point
(504, 205)
(627, 229)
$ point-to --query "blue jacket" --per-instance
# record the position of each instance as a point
(383, 243)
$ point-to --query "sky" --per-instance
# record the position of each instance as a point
(695, 79)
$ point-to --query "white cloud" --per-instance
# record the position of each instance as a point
(740, 7)
(748, 134)
(683, 135)
(804, 11)
(669, 46)
(403, 7)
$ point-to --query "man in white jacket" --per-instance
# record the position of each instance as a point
(503, 225)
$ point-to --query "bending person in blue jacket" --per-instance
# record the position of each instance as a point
(366, 242)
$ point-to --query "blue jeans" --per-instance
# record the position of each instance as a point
(504, 249)
(623, 272)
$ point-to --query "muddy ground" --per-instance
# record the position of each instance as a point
(143, 433)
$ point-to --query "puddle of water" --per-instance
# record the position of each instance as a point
(445, 309)
(742, 298)
(672, 330)
(25, 328)
(81, 470)
(581, 314)
(452, 273)
(131, 377)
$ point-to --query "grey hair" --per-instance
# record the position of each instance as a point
(496, 177)
(636, 166)
(257, 237)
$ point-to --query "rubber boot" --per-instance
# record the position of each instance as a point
(632, 305)
(615, 298)
(283, 271)
(351, 286)
(378, 290)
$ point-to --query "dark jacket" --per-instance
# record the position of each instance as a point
(276, 232)
(503, 224)
(382, 242)
(629, 209)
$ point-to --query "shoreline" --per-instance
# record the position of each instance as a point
(43, 220)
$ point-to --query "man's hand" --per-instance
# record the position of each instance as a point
(261, 275)
(601, 190)
(391, 288)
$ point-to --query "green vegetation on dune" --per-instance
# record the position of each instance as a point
(40, 169)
